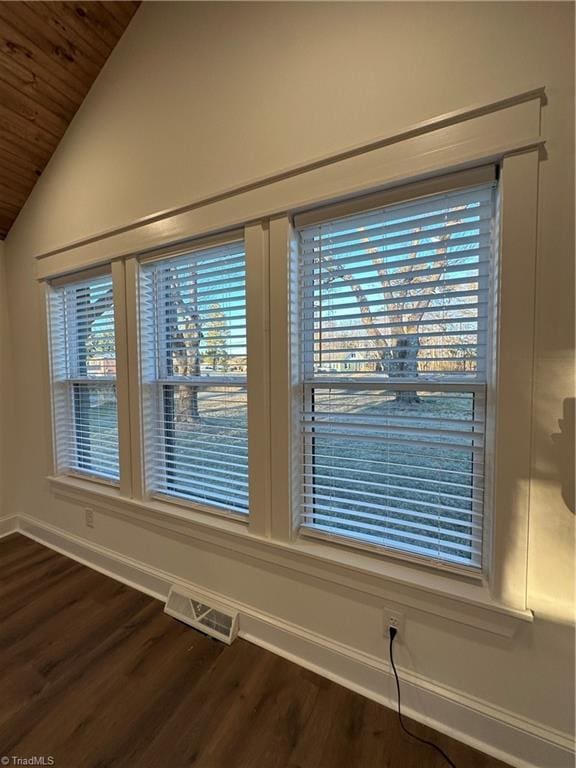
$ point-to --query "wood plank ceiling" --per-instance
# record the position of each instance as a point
(50, 54)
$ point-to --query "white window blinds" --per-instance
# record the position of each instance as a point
(193, 347)
(394, 342)
(83, 357)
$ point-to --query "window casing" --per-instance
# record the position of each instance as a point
(83, 357)
(194, 365)
(394, 337)
(464, 148)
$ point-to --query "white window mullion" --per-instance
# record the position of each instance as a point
(258, 378)
(285, 379)
(122, 377)
(134, 377)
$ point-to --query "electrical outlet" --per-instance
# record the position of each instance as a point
(393, 618)
(89, 515)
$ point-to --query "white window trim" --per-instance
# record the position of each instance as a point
(506, 132)
(455, 598)
(506, 530)
(466, 138)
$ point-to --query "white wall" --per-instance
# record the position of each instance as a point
(201, 97)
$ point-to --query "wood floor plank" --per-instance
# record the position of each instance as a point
(188, 728)
(95, 675)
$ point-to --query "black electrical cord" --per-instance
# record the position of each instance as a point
(393, 632)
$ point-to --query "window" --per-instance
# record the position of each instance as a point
(392, 324)
(193, 345)
(394, 337)
(385, 413)
(83, 356)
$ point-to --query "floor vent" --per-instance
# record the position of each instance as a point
(214, 619)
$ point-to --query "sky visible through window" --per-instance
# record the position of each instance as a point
(398, 292)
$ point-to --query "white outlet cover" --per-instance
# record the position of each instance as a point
(393, 616)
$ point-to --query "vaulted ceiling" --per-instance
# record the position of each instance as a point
(50, 54)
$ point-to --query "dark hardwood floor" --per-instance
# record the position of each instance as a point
(95, 675)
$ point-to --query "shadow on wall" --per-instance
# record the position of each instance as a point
(564, 452)
(552, 469)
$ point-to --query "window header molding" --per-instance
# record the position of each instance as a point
(78, 277)
(198, 244)
(455, 141)
(401, 194)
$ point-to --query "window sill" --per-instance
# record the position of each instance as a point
(453, 597)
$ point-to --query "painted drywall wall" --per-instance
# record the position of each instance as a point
(4, 378)
(201, 97)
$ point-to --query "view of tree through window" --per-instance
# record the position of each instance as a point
(394, 320)
(84, 370)
(194, 374)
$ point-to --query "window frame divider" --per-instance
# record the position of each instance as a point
(256, 245)
(131, 304)
(408, 386)
(122, 378)
(285, 388)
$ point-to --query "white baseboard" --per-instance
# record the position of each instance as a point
(8, 525)
(514, 740)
